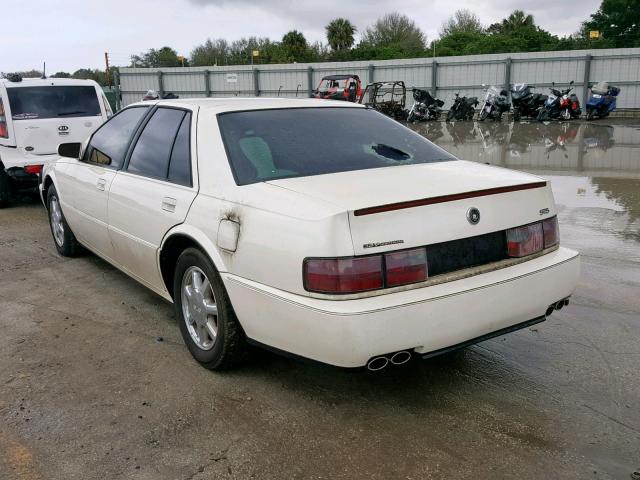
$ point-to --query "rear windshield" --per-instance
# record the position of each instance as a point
(29, 103)
(297, 142)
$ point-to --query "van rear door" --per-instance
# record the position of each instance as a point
(46, 115)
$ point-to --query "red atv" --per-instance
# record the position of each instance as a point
(339, 87)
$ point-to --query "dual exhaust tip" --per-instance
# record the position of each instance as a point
(557, 306)
(378, 363)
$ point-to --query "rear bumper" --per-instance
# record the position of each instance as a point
(347, 333)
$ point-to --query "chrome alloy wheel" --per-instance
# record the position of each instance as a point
(199, 308)
(56, 221)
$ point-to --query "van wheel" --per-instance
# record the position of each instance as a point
(208, 324)
(5, 188)
(63, 238)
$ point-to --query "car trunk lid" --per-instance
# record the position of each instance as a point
(416, 205)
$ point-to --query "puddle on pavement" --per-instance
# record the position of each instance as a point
(593, 167)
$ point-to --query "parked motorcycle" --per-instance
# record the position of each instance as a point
(424, 107)
(560, 105)
(495, 104)
(463, 108)
(525, 102)
(602, 100)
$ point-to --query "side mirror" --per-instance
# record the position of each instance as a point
(571, 82)
(70, 150)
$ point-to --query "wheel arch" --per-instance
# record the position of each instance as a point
(178, 240)
(47, 182)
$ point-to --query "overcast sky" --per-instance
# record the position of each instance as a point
(70, 34)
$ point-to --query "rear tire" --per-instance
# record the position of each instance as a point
(516, 115)
(208, 324)
(63, 238)
(5, 188)
(483, 115)
(590, 113)
(450, 115)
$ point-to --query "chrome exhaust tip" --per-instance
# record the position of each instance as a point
(400, 358)
(377, 363)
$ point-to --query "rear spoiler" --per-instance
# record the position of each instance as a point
(446, 198)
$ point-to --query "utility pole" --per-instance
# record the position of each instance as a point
(107, 73)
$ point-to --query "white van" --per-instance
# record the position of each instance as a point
(35, 116)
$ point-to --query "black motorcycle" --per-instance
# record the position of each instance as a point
(494, 105)
(424, 107)
(463, 108)
(525, 102)
(560, 105)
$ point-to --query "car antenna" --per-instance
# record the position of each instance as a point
(44, 70)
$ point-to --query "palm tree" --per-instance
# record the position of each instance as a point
(340, 32)
(517, 20)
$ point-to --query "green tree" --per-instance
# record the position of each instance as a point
(61, 75)
(211, 52)
(461, 21)
(397, 32)
(340, 32)
(163, 57)
(618, 21)
(25, 74)
(515, 22)
(89, 74)
(295, 46)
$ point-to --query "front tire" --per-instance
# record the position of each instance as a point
(63, 238)
(450, 115)
(208, 324)
(5, 188)
(483, 115)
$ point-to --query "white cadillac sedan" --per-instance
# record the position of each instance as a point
(320, 229)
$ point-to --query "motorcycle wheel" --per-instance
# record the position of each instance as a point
(411, 117)
(542, 116)
(450, 115)
(483, 115)
(566, 114)
(591, 113)
(516, 115)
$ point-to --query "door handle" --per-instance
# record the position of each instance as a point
(169, 204)
(101, 184)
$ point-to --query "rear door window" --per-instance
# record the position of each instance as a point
(31, 103)
(109, 144)
(180, 163)
(153, 150)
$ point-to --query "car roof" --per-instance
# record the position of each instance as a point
(234, 104)
(340, 77)
(43, 82)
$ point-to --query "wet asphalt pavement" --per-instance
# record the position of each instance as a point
(88, 390)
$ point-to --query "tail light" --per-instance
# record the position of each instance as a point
(33, 169)
(343, 275)
(408, 266)
(533, 238)
(574, 105)
(564, 102)
(4, 132)
(523, 241)
(550, 232)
